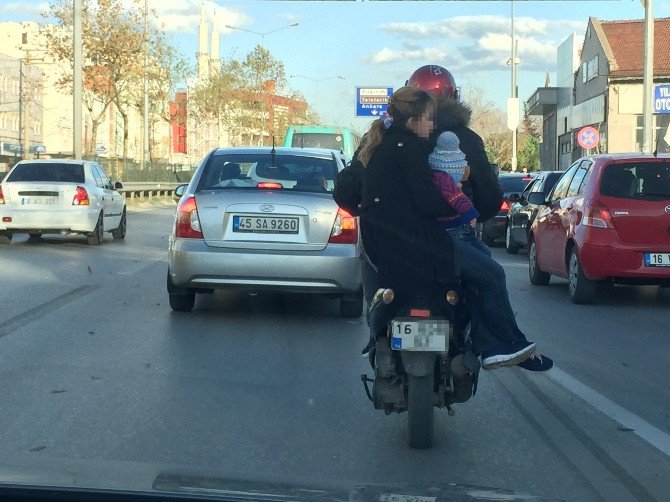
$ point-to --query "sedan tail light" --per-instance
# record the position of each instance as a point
(2, 197)
(81, 197)
(188, 221)
(269, 185)
(597, 215)
(345, 229)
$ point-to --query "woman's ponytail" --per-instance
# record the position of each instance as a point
(373, 138)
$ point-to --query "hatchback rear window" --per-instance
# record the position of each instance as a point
(283, 172)
(48, 172)
(644, 180)
(514, 184)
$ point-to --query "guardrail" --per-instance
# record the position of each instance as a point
(140, 190)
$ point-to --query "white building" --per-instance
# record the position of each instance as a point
(24, 41)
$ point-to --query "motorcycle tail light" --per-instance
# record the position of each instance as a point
(419, 313)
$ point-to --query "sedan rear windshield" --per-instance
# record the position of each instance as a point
(283, 172)
(48, 172)
(644, 180)
(514, 184)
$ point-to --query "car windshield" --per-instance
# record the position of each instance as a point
(514, 184)
(643, 180)
(278, 171)
(47, 171)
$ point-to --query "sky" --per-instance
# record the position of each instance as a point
(380, 43)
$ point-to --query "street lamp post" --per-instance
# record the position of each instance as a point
(514, 95)
(317, 80)
(262, 34)
(78, 82)
(145, 134)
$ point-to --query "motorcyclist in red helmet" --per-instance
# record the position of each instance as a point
(435, 80)
(482, 187)
(453, 115)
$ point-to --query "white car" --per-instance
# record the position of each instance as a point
(60, 197)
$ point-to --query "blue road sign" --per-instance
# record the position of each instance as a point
(372, 101)
(662, 98)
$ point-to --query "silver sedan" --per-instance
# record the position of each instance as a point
(264, 219)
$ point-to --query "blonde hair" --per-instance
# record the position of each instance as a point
(405, 103)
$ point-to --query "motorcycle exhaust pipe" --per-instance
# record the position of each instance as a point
(462, 380)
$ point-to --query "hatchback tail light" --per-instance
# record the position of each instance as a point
(81, 197)
(597, 215)
(504, 206)
(188, 221)
(345, 229)
(2, 197)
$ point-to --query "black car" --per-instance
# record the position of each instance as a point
(521, 215)
(511, 183)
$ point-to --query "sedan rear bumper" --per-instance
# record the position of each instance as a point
(335, 269)
(48, 220)
(621, 262)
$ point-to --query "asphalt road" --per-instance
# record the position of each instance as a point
(101, 384)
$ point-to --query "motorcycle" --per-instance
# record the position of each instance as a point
(421, 354)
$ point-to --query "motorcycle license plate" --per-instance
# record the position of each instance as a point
(427, 335)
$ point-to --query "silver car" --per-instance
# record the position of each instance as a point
(60, 197)
(264, 219)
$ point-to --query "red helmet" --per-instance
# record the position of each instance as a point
(434, 79)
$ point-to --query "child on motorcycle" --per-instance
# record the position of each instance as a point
(472, 258)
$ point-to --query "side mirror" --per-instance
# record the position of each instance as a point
(180, 191)
(515, 197)
(118, 186)
(537, 198)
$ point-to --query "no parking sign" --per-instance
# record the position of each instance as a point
(588, 137)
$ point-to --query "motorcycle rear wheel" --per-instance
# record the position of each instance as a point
(420, 411)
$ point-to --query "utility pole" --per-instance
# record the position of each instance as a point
(77, 78)
(21, 110)
(648, 79)
(145, 135)
(25, 106)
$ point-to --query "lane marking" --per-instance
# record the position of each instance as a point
(36, 313)
(563, 443)
(640, 427)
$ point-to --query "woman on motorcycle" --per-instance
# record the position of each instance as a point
(400, 208)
